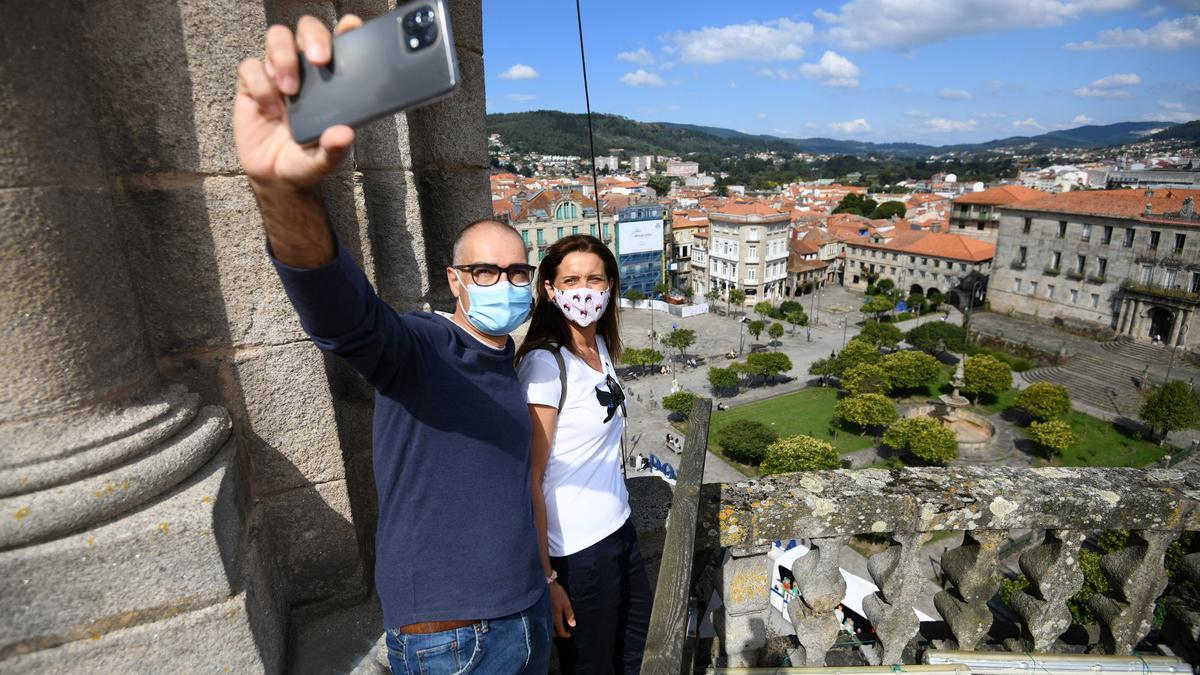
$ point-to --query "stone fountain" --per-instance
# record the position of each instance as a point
(975, 434)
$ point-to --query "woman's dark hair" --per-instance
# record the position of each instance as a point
(547, 325)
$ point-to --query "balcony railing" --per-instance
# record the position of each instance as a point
(1075, 275)
(719, 539)
(1096, 278)
(1050, 271)
(1017, 264)
(1161, 292)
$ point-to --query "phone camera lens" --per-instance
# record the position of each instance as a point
(420, 30)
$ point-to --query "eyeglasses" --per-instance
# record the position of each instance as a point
(611, 399)
(486, 274)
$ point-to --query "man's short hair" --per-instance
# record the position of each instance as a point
(470, 227)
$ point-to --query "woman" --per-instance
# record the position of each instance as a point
(599, 594)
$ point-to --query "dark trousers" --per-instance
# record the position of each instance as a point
(611, 597)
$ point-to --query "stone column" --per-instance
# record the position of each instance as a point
(1181, 325)
(746, 586)
(91, 437)
(1122, 316)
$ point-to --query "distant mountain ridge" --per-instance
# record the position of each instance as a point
(553, 132)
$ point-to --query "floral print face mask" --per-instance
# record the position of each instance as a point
(582, 306)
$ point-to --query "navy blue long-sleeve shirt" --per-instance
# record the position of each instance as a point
(456, 537)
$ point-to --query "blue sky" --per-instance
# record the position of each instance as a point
(928, 71)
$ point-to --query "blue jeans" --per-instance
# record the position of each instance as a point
(517, 643)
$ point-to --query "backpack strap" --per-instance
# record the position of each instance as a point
(562, 374)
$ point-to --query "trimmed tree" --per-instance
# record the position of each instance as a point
(634, 295)
(924, 437)
(681, 339)
(796, 319)
(746, 441)
(866, 412)
(775, 331)
(885, 286)
(755, 328)
(1052, 436)
(878, 305)
(911, 369)
(866, 378)
(799, 453)
(824, 368)
(723, 380)
(1044, 401)
(880, 334)
(680, 402)
(763, 309)
(932, 336)
(986, 375)
(1171, 407)
(767, 364)
(737, 297)
(855, 352)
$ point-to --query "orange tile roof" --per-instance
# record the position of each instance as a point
(798, 264)
(803, 246)
(999, 196)
(1115, 203)
(748, 208)
(936, 244)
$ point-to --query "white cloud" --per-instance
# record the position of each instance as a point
(994, 85)
(833, 70)
(1082, 119)
(1027, 123)
(519, 71)
(521, 97)
(761, 115)
(640, 56)
(1173, 116)
(862, 24)
(857, 126)
(640, 78)
(943, 125)
(1111, 86)
(1171, 106)
(919, 114)
(955, 94)
(1166, 35)
(778, 40)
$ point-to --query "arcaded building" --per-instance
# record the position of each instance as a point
(1123, 260)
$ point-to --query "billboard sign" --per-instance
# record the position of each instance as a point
(640, 236)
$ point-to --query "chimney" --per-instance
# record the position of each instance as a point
(1149, 208)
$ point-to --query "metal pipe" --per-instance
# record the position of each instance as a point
(1013, 663)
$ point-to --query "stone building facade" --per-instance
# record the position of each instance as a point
(1120, 261)
(748, 250)
(918, 261)
(186, 480)
(977, 214)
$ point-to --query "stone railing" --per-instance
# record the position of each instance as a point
(1130, 286)
(1056, 510)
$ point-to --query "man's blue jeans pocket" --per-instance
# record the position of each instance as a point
(444, 653)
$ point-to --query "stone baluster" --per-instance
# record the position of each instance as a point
(821, 586)
(1136, 578)
(1052, 568)
(747, 596)
(970, 570)
(1182, 625)
(890, 609)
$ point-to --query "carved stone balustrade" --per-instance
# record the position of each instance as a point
(1062, 508)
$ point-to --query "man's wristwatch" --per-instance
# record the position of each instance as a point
(553, 575)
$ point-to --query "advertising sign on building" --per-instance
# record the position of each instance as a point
(640, 236)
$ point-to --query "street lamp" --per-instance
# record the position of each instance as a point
(845, 320)
(1171, 362)
(970, 303)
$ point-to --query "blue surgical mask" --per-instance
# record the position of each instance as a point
(497, 309)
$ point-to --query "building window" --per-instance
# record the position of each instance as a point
(574, 229)
(1196, 282)
(1147, 273)
(979, 226)
(962, 225)
(1172, 275)
(1179, 239)
(1062, 229)
(525, 236)
(1055, 259)
(751, 274)
(1107, 236)
(912, 259)
(1017, 285)
(1074, 297)
(541, 238)
(1080, 263)
(561, 232)
(1027, 226)
(1154, 236)
(606, 230)
(962, 267)
(1033, 288)
(1050, 291)
(1101, 267)
(937, 263)
(592, 230)
(1021, 254)
(753, 253)
(924, 261)
(1130, 233)
(1095, 300)
(1087, 232)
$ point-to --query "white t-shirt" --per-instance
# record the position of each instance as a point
(585, 493)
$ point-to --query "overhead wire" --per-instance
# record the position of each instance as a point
(588, 103)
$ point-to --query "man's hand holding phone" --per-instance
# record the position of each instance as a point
(269, 154)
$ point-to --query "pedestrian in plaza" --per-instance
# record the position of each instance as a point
(436, 517)
(600, 602)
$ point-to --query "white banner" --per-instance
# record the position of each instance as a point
(639, 236)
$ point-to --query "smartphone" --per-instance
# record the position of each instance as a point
(394, 62)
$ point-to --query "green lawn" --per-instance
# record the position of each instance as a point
(807, 411)
(1103, 444)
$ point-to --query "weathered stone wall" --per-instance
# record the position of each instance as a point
(132, 255)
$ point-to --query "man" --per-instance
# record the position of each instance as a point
(452, 432)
